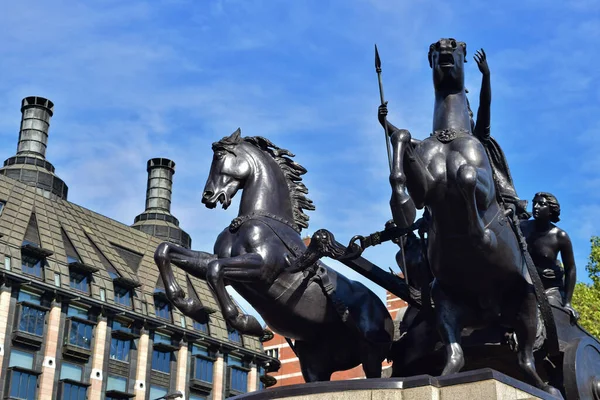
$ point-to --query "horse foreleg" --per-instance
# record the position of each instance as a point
(526, 329)
(194, 263)
(402, 205)
(473, 187)
(449, 323)
(245, 267)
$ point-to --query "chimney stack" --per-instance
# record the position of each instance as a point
(35, 121)
(160, 184)
(29, 165)
(157, 220)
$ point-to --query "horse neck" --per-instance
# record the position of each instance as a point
(451, 111)
(266, 189)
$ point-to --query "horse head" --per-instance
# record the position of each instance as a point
(446, 59)
(227, 171)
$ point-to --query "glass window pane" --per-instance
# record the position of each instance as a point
(196, 350)
(158, 338)
(28, 296)
(157, 392)
(119, 349)
(32, 320)
(77, 312)
(21, 359)
(80, 334)
(116, 383)
(201, 327)
(71, 371)
(23, 385)
(197, 397)
(203, 370)
(121, 326)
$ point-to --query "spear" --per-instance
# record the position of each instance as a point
(402, 241)
(385, 126)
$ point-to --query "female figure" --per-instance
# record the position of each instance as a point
(545, 242)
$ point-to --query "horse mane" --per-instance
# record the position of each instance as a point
(293, 173)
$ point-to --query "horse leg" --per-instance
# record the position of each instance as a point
(193, 262)
(313, 364)
(245, 267)
(371, 358)
(402, 205)
(472, 185)
(526, 329)
(449, 323)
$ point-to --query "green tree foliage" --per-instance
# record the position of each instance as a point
(586, 299)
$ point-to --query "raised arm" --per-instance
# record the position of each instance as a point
(482, 126)
(568, 260)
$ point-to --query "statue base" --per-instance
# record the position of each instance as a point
(481, 384)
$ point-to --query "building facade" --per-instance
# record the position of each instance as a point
(83, 312)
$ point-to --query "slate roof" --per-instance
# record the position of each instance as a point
(101, 243)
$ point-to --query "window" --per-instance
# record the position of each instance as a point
(23, 384)
(161, 361)
(73, 311)
(238, 376)
(119, 349)
(2, 204)
(273, 353)
(71, 386)
(196, 397)
(162, 307)
(122, 295)
(7, 263)
(73, 391)
(31, 265)
(32, 316)
(235, 336)
(117, 383)
(161, 356)
(70, 371)
(79, 281)
(157, 392)
(19, 358)
(203, 364)
(261, 372)
(80, 332)
(201, 327)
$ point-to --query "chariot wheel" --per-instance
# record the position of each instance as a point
(581, 369)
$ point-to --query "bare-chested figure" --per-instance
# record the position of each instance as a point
(545, 242)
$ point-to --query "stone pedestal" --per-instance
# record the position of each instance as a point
(483, 384)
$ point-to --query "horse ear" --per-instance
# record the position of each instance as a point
(236, 136)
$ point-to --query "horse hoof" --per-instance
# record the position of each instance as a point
(553, 391)
(266, 336)
(248, 324)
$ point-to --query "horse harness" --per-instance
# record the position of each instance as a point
(315, 273)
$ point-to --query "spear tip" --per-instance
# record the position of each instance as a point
(377, 59)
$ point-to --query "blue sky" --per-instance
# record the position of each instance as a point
(165, 78)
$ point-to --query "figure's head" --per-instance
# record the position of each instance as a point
(546, 207)
(228, 171)
(446, 59)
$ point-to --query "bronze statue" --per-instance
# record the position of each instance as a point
(335, 323)
(469, 234)
(545, 241)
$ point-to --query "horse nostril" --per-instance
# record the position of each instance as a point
(207, 195)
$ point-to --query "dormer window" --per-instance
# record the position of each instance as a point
(162, 306)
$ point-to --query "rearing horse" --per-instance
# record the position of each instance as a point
(336, 323)
(480, 272)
